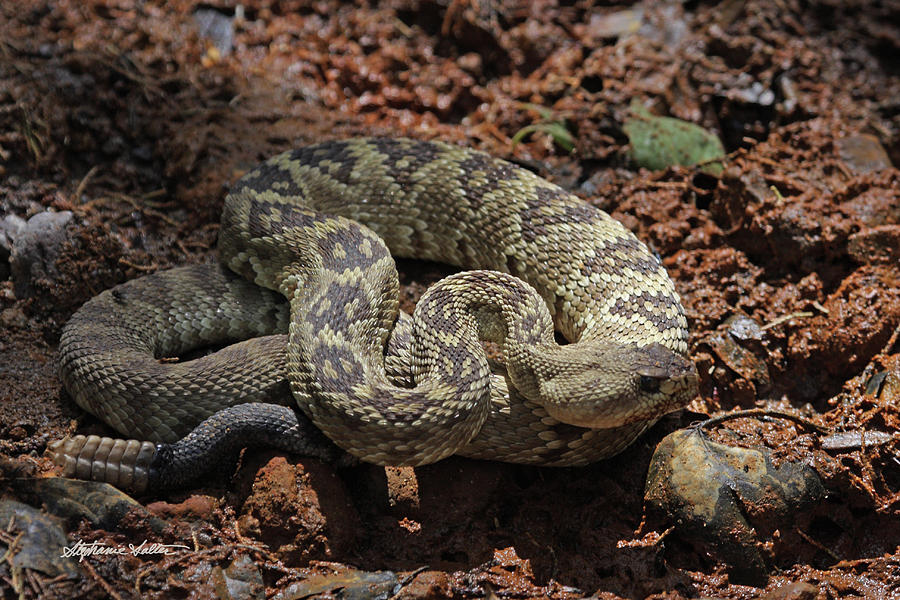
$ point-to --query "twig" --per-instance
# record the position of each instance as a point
(818, 545)
(37, 583)
(785, 182)
(893, 340)
(782, 319)
(144, 268)
(679, 185)
(83, 183)
(405, 581)
(90, 570)
(145, 210)
(762, 412)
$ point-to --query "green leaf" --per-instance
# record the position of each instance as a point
(553, 126)
(545, 113)
(660, 142)
(557, 130)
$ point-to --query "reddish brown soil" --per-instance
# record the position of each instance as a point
(121, 112)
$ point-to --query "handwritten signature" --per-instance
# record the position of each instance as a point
(82, 549)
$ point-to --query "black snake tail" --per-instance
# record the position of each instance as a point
(139, 466)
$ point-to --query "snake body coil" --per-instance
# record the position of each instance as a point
(312, 225)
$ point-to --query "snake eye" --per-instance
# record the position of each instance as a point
(649, 384)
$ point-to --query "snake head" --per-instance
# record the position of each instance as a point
(606, 385)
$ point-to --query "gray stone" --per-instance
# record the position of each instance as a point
(10, 226)
(35, 248)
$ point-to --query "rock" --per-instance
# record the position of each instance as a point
(240, 581)
(215, 27)
(797, 590)
(13, 318)
(727, 499)
(737, 345)
(100, 503)
(35, 541)
(10, 226)
(35, 249)
(863, 153)
(352, 584)
(875, 245)
(428, 585)
(613, 24)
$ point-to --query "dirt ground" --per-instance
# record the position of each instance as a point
(136, 116)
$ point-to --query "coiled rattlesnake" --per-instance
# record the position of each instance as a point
(387, 390)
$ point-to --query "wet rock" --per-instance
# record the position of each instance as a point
(13, 318)
(35, 249)
(744, 328)
(876, 205)
(215, 27)
(100, 503)
(614, 24)
(737, 345)
(875, 245)
(240, 581)
(35, 541)
(429, 585)
(353, 585)
(889, 391)
(797, 590)
(863, 153)
(10, 227)
(726, 498)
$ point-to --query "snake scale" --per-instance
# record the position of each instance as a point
(306, 273)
